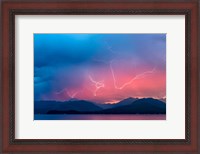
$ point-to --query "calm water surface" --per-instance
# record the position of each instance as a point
(99, 117)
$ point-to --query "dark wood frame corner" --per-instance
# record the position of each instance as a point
(9, 9)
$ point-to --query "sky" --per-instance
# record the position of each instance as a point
(103, 68)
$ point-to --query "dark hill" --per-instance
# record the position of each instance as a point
(42, 107)
(79, 105)
(123, 102)
(126, 101)
(140, 106)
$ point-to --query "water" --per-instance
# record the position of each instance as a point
(99, 117)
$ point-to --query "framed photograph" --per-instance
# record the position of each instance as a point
(100, 76)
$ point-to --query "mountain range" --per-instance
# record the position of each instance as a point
(126, 106)
(123, 102)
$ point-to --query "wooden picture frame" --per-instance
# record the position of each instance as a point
(11, 8)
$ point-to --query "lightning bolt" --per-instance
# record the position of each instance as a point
(109, 48)
(61, 91)
(97, 84)
(101, 61)
(139, 76)
(70, 94)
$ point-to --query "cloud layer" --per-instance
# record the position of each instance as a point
(99, 67)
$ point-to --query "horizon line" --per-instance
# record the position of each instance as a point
(104, 102)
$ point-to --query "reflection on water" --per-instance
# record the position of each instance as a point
(99, 117)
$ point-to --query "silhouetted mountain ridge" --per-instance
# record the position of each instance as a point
(140, 106)
(126, 106)
(79, 105)
(76, 105)
(123, 102)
